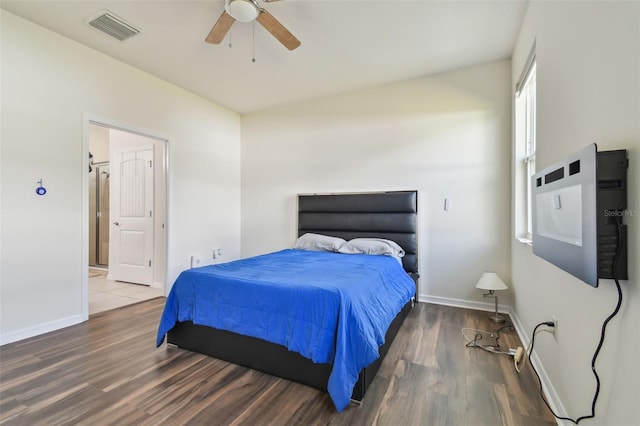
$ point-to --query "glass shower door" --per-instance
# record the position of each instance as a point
(99, 215)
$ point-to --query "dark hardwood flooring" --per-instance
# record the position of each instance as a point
(108, 371)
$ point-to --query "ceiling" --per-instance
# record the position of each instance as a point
(346, 44)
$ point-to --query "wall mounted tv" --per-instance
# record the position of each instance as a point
(578, 205)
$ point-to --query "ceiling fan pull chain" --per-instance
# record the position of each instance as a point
(230, 45)
(253, 42)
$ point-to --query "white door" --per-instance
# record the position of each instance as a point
(132, 215)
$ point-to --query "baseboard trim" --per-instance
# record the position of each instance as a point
(461, 303)
(547, 386)
(36, 330)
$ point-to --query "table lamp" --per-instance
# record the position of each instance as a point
(492, 282)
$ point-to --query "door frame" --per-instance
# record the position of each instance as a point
(87, 120)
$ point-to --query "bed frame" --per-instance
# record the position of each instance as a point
(390, 215)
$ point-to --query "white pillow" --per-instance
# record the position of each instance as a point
(318, 242)
(378, 246)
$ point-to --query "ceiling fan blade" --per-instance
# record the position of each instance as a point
(220, 29)
(278, 30)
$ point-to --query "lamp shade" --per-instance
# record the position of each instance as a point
(491, 281)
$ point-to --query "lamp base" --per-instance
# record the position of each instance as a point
(496, 318)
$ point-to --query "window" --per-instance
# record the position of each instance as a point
(525, 149)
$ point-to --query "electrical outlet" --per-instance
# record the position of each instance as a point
(217, 252)
(555, 327)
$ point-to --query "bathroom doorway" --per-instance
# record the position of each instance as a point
(117, 159)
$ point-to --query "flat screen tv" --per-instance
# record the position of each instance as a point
(578, 205)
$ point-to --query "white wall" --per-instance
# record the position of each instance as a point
(446, 136)
(588, 80)
(48, 83)
(99, 143)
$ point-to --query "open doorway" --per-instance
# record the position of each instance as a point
(126, 217)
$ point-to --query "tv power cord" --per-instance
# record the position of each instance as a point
(600, 343)
(521, 358)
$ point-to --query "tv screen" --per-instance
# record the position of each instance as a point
(560, 214)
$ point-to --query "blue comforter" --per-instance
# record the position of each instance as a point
(329, 307)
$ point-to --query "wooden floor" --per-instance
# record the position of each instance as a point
(108, 371)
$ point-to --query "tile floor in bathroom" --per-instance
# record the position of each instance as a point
(106, 294)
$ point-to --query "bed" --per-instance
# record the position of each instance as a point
(313, 356)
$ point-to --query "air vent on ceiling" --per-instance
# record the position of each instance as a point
(112, 25)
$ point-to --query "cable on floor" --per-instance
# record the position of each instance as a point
(494, 347)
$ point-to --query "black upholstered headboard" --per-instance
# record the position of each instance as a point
(390, 215)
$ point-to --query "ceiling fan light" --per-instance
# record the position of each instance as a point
(243, 10)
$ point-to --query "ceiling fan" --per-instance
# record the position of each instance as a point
(248, 11)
